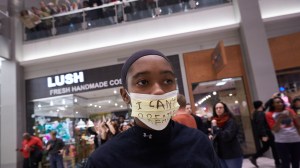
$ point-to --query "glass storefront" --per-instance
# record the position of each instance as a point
(232, 92)
(69, 116)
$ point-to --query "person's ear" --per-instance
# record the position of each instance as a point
(125, 96)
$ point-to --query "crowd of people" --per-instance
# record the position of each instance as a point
(38, 24)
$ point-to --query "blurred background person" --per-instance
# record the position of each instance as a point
(198, 119)
(55, 148)
(32, 147)
(296, 105)
(225, 131)
(183, 116)
(265, 135)
(286, 127)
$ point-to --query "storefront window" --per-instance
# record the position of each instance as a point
(230, 91)
(289, 82)
(71, 116)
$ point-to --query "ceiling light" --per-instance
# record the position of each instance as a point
(214, 93)
(63, 101)
(95, 105)
(115, 92)
(39, 105)
(99, 106)
(66, 106)
(57, 110)
(109, 101)
(75, 100)
(51, 103)
(220, 83)
(196, 105)
(76, 112)
(121, 106)
(91, 104)
(236, 102)
(116, 104)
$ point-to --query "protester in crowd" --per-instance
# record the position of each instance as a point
(199, 122)
(125, 126)
(32, 24)
(182, 115)
(32, 148)
(286, 127)
(149, 87)
(224, 136)
(296, 105)
(265, 135)
(55, 148)
(108, 130)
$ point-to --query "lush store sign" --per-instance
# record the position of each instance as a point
(74, 82)
(83, 81)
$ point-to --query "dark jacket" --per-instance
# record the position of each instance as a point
(176, 146)
(226, 143)
(260, 124)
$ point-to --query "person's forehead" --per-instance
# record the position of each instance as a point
(140, 64)
(219, 105)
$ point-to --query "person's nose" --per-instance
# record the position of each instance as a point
(157, 89)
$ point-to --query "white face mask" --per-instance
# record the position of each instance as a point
(154, 110)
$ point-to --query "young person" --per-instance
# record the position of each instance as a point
(149, 88)
(286, 127)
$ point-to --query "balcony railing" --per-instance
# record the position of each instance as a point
(111, 14)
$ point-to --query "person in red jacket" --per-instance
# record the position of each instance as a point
(32, 150)
(182, 115)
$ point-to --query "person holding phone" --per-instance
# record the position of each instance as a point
(55, 148)
(286, 128)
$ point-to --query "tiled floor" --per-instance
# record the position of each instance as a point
(263, 162)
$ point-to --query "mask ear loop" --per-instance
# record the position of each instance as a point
(129, 97)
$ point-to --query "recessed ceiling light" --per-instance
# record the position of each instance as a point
(99, 106)
(215, 93)
(51, 103)
(109, 101)
(91, 104)
(95, 105)
(116, 104)
(121, 106)
(115, 92)
(230, 94)
(76, 112)
(39, 105)
(75, 100)
(63, 101)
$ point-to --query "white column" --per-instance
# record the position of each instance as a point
(256, 52)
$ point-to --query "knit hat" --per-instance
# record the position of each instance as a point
(257, 104)
(135, 57)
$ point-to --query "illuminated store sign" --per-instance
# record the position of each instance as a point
(83, 81)
(67, 79)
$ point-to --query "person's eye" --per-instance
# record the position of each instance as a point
(169, 81)
(142, 82)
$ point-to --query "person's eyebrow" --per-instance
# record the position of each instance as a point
(137, 75)
(168, 72)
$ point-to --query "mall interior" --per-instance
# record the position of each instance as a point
(65, 72)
